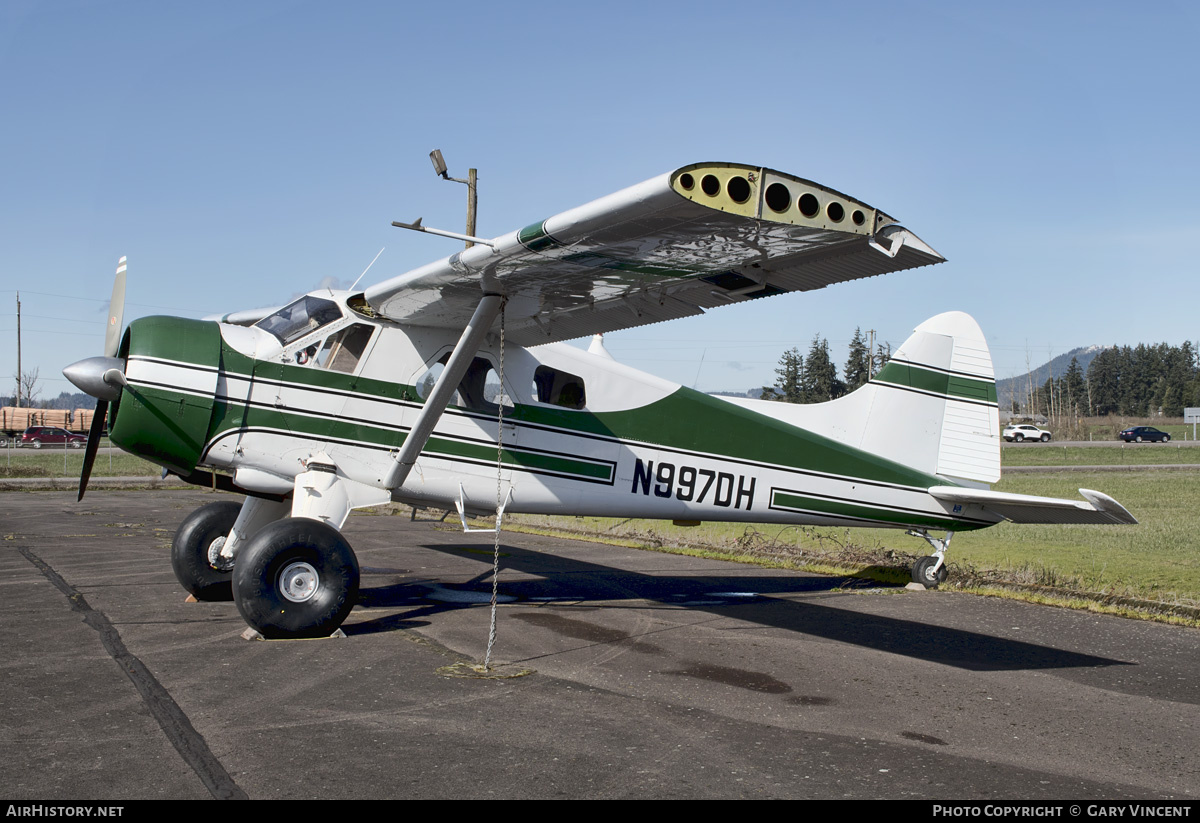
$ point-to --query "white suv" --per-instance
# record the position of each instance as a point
(1025, 432)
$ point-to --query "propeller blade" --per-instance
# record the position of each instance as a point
(116, 313)
(93, 443)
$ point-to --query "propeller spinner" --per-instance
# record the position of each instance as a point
(102, 377)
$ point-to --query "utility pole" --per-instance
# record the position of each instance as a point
(871, 356)
(439, 167)
(18, 350)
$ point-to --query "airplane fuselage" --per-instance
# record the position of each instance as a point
(582, 434)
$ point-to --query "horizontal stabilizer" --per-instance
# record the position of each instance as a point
(1026, 508)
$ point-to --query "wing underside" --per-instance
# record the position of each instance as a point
(699, 237)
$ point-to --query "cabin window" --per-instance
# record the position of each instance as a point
(297, 319)
(559, 388)
(479, 390)
(343, 349)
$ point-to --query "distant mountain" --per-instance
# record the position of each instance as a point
(1018, 387)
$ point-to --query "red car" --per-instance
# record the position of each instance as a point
(38, 436)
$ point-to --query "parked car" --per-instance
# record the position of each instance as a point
(1024, 431)
(1149, 434)
(38, 436)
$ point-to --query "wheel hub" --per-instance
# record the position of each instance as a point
(221, 564)
(298, 582)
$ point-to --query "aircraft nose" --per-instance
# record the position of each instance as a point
(101, 377)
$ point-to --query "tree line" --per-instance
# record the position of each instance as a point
(1138, 381)
(1132, 381)
(813, 378)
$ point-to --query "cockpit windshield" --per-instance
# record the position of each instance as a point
(297, 319)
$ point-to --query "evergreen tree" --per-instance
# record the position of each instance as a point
(1103, 377)
(819, 381)
(858, 362)
(790, 371)
(1072, 390)
(1172, 405)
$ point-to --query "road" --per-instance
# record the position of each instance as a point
(1100, 444)
(652, 676)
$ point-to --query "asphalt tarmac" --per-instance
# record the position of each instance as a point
(651, 676)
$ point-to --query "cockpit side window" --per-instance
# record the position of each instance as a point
(343, 349)
(559, 388)
(479, 390)
(299, 318)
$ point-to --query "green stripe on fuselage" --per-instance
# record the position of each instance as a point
(236, 363)
(233, 416)
(790, 501)
(518, 459)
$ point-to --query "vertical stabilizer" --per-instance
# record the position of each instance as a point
(932, 407)
(943, 375)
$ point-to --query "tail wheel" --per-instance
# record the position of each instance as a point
(922, 572)
(296, 578)
(196, 551)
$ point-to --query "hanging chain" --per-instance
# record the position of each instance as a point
(487, 657)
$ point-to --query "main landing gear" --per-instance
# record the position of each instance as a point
(291, 577)
(196, 551)
(930, 571)
(296, 578)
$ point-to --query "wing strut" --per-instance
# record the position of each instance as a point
(443, 390)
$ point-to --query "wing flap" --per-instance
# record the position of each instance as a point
(1097, 508)
(703, 236)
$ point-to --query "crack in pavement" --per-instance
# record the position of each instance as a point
(171, 718)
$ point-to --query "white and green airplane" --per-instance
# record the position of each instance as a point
(450, 386)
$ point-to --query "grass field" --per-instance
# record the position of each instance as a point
(51, 462)
(1118, 454)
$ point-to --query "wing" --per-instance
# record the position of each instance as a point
(702, 236)
(1024, 508)
(245, 317)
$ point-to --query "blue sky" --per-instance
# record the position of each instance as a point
(240, 153)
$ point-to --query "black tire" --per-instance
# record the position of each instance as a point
(922, 572)
(193, 551)
(37, 444)
(1018, 437)
(1045, 438)
(1139, 438)
(307, 558)
(1166, 438)
(77, 444)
